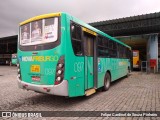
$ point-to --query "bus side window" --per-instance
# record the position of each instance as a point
(76, 37)
(120, 49)
(123, 48)
(113, 49)
(127, 53)
(88, 44)
(106, 53)
(103, 47)
(100, 47)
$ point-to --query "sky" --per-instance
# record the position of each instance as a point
(15, 11)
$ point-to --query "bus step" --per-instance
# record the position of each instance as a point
(90, 92)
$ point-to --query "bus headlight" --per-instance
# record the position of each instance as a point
(59, 71)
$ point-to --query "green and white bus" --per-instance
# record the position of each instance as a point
(59, 54)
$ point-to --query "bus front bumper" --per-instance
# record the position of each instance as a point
(60, 89)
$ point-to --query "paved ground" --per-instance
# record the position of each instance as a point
(139, 92)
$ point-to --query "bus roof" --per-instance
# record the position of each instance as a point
(40, 17)
(96, 30)
(75, 20)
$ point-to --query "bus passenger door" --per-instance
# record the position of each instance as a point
(89, 58)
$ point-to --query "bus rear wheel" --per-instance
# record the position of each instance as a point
(128, 72)
(107, 82)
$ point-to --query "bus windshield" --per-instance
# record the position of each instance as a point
(39, 32)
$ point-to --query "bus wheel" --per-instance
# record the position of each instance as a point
(128, 71)
(107, 82)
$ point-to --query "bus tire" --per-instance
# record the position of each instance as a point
(107, 82)
(128, 72)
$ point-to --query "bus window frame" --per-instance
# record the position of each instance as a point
(102, 46)
(45, 46)
(82, 40)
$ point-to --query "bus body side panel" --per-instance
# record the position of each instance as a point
(114, 68)
(103, 66)
(117, 68)
(74, 66)
(123, 67)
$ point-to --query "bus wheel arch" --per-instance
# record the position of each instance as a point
(107, 80)
(128, 71)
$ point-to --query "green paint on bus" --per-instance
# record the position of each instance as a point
(61, 55)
